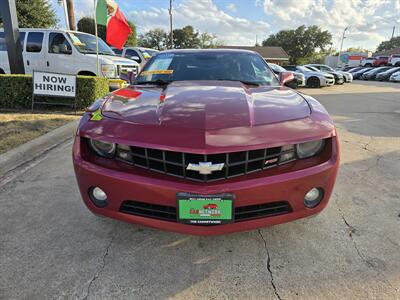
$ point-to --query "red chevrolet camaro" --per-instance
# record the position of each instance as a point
(206, 127)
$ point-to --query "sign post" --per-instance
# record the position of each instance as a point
(53, 85)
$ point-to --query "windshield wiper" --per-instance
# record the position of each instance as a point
(157, 82)
(242, 81)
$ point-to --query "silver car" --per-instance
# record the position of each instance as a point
(313, 79)
(348, 77)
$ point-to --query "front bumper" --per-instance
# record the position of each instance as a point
(121, 186)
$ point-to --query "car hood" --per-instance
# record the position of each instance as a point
(206, 105)
(109, 59)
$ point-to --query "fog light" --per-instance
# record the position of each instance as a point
(98, 196)
(313, 197)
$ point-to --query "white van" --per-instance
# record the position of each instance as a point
(139, 54)
(68, 52)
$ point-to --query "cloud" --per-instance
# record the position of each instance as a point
(204, 15)
(368, 20)
(231, 7)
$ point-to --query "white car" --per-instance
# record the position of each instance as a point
(139, 54)
(395, 77)
(313, 79)
(367, 62)
(67, 52)
(394, 60)
(324, 68)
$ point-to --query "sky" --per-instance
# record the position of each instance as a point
(241, 22)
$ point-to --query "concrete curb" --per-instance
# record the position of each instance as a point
(24, 153)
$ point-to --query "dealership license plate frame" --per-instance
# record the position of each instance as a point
(225, 200)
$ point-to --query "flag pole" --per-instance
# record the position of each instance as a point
(97, 38)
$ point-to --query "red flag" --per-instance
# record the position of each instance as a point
(118, 30)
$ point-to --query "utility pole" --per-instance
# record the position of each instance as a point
(71, 15)
(11, 32)
(171, 34)
(341, 45)
(394, 27)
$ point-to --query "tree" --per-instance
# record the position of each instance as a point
(86, 24)
(132, 40)
(35, 14)
(186, 38)
(300, 43)
(207, 40)
(156, 38)
(390, 44)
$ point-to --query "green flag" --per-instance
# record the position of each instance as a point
(101, 12)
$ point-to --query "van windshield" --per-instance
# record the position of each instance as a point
(86, 43)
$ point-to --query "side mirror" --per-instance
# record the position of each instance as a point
(285, 77)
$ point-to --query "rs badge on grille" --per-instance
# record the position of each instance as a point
(205, 168)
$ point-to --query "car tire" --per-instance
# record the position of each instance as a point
(397, 64)
(313, 82)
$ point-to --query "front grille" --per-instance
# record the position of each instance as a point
(125, 69)
(176, 163)
(168, 213)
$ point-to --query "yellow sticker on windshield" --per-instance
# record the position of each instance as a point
(157, 72)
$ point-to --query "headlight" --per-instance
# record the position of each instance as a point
(102, 148)
(108, 71)
(309, 149)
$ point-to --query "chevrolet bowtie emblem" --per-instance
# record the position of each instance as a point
(205, 168)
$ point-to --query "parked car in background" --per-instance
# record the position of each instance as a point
(357, 75)
(68, 52)
(394, 60)
(367, 62)
(386, 74)
(395, 77)
(352, 70)
(139, 54)
(337, 76)
(380, 61)
(370, 75)
(346, 68)
(314, 79)
(299, 78)
(324, 68)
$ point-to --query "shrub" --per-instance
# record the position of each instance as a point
(16, 91)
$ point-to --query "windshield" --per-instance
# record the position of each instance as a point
(148, 53)
(276, 68)
(86, 43)
(313, 69)
(207, 65)
(303, 69)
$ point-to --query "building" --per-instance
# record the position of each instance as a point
(271, 54)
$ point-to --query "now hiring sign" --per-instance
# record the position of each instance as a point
(51, 84)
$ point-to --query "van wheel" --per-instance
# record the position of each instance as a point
(397, 64)
(313, 82)
(368, 65)
(86, 73)
(2, 71)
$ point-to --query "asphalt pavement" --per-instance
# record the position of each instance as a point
(52, 247)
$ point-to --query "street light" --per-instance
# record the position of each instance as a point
(341, 45)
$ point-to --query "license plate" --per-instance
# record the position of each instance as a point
(205, 209)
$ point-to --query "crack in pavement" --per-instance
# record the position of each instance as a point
(352, 230)
(103, 264)
(269, 266)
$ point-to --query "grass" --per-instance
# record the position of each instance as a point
(17, 128)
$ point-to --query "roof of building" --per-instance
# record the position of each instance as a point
(274, 53)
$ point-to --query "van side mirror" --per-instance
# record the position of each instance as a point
(285, 77)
